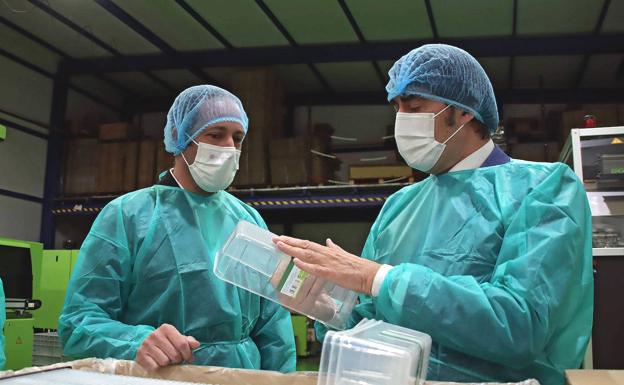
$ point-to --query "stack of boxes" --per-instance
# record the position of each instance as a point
(118, 161)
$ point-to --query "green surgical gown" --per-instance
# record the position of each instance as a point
(148, 260)
(495, 264)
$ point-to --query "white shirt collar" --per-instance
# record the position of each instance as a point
(476, 159)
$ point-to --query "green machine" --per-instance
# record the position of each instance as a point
(19, 264)
(308, 350)
(35, 281)
(51, 285)
(300, 329)
(18, 339)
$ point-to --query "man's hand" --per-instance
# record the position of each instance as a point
(165, 346)
(331, 263)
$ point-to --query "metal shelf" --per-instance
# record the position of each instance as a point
(608, 252)
(85, 205)
(266, 199)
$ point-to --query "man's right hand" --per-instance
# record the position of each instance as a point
(165, 346)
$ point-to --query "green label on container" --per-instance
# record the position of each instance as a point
(292, 280)
(617, 170)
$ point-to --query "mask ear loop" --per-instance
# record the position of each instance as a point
(456, 131)
(185, 161)
(182, 152)
(444, 109)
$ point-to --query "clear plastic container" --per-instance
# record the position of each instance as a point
(331, 351)
(47, 344)
(374, 353)
(250, 260)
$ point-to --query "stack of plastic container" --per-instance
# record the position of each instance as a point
(250, 260)
(374, 353)
(47, 349)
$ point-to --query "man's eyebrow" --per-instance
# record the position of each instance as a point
(220, 128)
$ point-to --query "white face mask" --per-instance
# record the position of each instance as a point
(415, 137)
(214, 167)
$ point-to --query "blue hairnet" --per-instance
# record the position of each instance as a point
(197, 108)
(446, 74)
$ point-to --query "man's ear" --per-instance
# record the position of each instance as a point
(466, 117)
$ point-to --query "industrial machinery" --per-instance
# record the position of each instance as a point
(35, 281)
(56, 268)
(17, 271)
(597, 156)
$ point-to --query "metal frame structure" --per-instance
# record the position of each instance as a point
(60, 53)
(268, 199)
(150, 36)
(52, 76)
(91, 37)
(25, 197)
(349, 52)
(282, 206)
(294, 53)
(362, 39)
(608, 252)
(593, 43)
(59, 104)
(597, 28)
(23, 128)
(522, 96)
(53, 156)
(573, 148)
(278, 24)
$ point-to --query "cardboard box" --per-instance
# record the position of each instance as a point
(84, 123)
(81, 167)
(164, 160)
(197, 374)
(253, 169)
(606, 116)
(572, 119)
(152, 124)
(117, 167)
(290, 161)
(371, 158)
(290, 172)
(322, 168)
(522, 126)
(379, 172)
(117, 131)
(260, 91)
(536, 152)
(289, 147)
(595, 377)
(146, 174)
